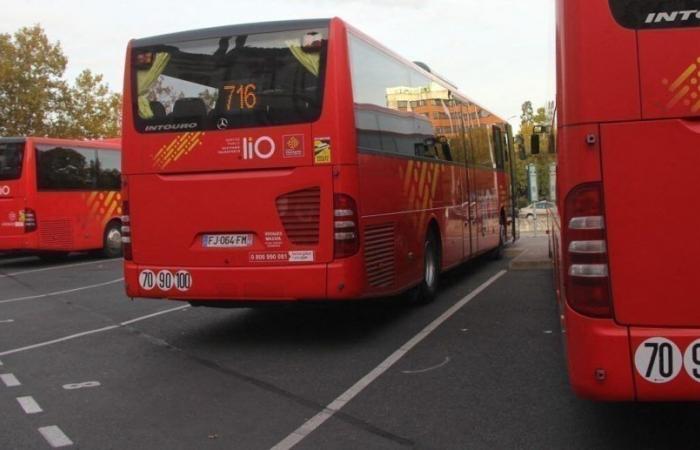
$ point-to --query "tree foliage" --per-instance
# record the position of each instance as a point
(35, 100)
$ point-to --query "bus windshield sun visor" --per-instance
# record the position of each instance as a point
(230, 82)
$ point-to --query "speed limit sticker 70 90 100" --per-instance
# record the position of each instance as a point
(183, 280)
(147, 280)
(658, 360)
(165, 280)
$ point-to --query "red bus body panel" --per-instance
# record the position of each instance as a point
(627, 110)
(66, 220)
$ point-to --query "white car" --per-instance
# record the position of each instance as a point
(536, 209)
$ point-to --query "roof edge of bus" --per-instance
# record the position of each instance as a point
(245, 28)
(430, 74)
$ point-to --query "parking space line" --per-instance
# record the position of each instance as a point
(63, 266)
(29, 405)
(336, 405)
(55, 437)
(10, 380)
(89, 332)
(67, 291)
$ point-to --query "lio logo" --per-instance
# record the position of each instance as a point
(262, 147)
(5, 190)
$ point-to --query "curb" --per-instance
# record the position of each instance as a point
(527, 261)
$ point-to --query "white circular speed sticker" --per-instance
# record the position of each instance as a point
(183, 280)
(658, 360)
(691, 360)
(165, 280)
(147, 280)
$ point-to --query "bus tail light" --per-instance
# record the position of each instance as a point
(587, 278)
(346, 237)
(29, 220)
(126, 231)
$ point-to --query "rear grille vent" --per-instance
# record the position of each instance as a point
(300, 214)
(57, 234)
(380, 259)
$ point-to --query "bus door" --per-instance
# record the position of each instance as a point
(471, 239)
(12, 187)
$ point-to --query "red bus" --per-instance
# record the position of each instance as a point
(628, 134)
(59, 196)
(301, 160)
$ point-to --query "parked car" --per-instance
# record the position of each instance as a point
(536, 208)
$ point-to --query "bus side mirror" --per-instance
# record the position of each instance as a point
(535, 144)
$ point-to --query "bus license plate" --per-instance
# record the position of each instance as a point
(227, 240)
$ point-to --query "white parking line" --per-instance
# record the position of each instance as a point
(29, 405)
(336, 405)
(89, 332)
(67, 291)
(63, 266)
(7, 321)
(55, 437)
(9, 379)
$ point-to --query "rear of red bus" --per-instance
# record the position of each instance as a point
(239, 165)
(628, 140)
(17, 221)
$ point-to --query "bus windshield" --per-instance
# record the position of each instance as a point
(11, 160)
(239, 81)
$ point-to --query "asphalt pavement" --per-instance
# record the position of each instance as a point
(481, 367)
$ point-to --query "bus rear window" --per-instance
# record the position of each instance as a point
(11, 160)
(230, 82)
(643, 14)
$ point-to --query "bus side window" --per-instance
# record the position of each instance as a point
(497, 146)
(66, 168)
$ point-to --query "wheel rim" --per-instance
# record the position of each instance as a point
(430, 266)
(114, 238)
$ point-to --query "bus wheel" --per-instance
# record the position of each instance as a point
(112, 241)
(497, 253)
(427, 289)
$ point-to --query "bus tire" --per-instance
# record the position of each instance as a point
(426, 290)
(497, 253)
(112, 240)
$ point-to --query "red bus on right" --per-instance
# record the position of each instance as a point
(628, 139)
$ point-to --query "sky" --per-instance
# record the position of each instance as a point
(499, 53)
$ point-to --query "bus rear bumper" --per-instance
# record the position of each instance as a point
(601, 361)
(684, 381)
(17, 242)
(598, 358)
(234, 284)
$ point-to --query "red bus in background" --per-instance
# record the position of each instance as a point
(301, 160)
(59, 196)
(628, 140)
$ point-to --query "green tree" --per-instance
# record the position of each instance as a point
(36, 100)
(31, 84)
(88, 109)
